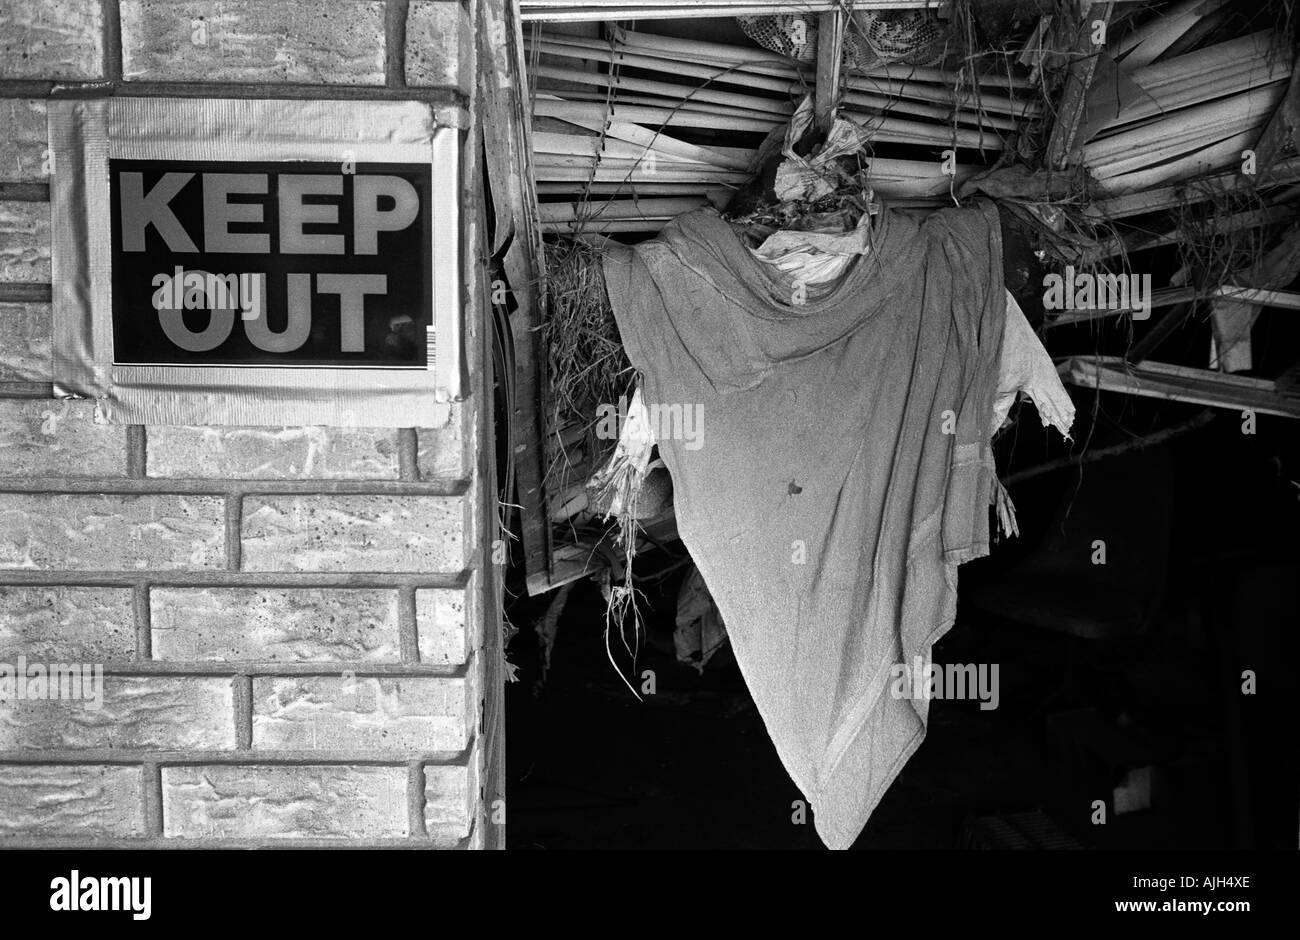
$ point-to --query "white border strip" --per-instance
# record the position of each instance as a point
(85, 133)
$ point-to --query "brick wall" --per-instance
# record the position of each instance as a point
(291, 621)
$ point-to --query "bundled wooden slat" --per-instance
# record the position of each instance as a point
(602, 174)
(1024, 109)
(896, 81)
(901, 131)
(736, 158)
(642, 114)
(697, 48)
(612, 209)
(1196, 78)
(1182, 384)
(574, 48)
(916, 73)
(651, 101)
(605, 226)
(713, 192)
(700, 171)
(883, 104)
(675, 91)
(547, 142)
(1181, 131)
(1206, 159)
(853, 96)
(1192, 191)
(1243, 51)
(1143, 44)
(1284, 300)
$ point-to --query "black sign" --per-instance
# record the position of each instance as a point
(271, 264)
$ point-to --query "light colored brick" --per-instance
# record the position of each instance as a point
(137, 712)
(445, 623)
(316, 712)
(25, 242)
(52, 439)
(23, 142)
(441, 453)
(111, 532)
(66, 624)
(273, 453)
(274, 803)
(439, 45)
(253, 41)
(54, 39)
(450, 793)
(274, 625)
(92, 801)
(25, 333)
(353, 533)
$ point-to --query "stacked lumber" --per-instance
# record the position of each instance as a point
(1172, 138)
(612, 118)
(1179, 118)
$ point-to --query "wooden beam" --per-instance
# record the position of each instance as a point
(517, 242)
(1161, 298)
(1170, 323)
(1181, 384)
(1284, 300)
(830, 55)
(1191, 191)
(1074, 98)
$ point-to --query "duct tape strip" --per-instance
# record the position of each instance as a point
(333, 229)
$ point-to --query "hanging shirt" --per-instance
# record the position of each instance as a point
(837, 472)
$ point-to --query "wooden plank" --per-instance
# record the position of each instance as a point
(830, 55)
(675, 91)
(1161, 298)
(579, 557)
(1138, 101)
(1284, 300)
(642, 114)
(1181, 384)
(490, 578)
(1074, 97)
(1192, 191)
(506, 133)
(1145, 43)
(604, 226)
(614, 209)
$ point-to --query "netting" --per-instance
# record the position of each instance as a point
(908, 37)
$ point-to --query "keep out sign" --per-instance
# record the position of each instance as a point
(258, 261)
(270, 263)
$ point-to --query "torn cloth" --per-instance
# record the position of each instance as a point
(1025, 368)
(842, 474)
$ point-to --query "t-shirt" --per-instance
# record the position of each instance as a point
(836, 472)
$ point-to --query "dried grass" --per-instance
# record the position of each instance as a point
(586, 363)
